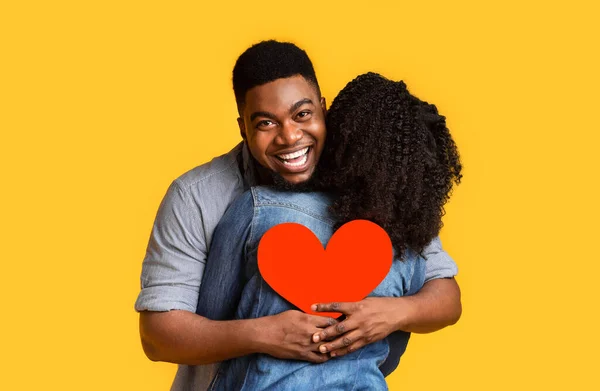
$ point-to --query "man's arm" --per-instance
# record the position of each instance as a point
(437, 304)
(171, 279)
(183, 337)
(432, 308)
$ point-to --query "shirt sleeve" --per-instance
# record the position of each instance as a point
(175, 258)
(438, 263)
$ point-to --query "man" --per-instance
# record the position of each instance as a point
(400, 173)
(282, 122)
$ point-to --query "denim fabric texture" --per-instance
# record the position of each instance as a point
(182, 234)
(232, 271)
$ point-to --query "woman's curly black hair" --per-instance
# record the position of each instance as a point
(389, 158)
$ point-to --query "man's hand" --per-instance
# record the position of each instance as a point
(367, 321)
(434, 307)
(288, 335)
(184, 337)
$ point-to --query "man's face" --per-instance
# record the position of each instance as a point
(283, 123)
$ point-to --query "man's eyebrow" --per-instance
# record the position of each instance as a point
(262, 114)
(298, 104)
(272, 116)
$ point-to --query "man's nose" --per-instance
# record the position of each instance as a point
(289, 134)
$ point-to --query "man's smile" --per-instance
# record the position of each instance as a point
(294, 161)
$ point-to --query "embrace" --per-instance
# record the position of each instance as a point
(378, 153)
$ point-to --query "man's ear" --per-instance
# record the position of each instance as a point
(324, 106)
(242, 127)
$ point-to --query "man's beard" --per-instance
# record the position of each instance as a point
(274, 179)
(281, 184)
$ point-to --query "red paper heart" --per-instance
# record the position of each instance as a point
(293, 262)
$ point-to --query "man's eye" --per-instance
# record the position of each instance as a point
(303, 114)
(264, 123)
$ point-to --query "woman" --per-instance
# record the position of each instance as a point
(388, 158)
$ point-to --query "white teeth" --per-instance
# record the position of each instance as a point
(301, 162)
(294, 154)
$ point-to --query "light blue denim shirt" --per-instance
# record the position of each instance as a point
(181, 236)
(232, 272)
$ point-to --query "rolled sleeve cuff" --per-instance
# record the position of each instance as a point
(441, 266)
(166, 298)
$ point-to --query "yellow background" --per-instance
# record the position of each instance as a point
(104, 103)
